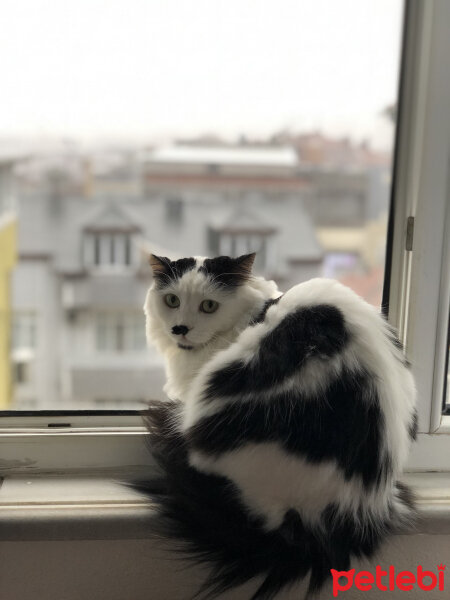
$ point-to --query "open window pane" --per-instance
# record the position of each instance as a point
(181, 129)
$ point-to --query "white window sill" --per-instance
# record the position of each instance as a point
(82, 508)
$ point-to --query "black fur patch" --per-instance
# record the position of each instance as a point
(345, 538)
(414, 425)
(262, 315)
(227, 272)
(344, 424)
(317, 331)
(172, 270)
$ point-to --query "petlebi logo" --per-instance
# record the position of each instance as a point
(388, 580)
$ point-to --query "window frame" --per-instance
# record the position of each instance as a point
(416, 292)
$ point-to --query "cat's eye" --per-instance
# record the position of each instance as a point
(209, 306)
(172, 301)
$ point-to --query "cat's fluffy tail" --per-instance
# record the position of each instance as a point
(208, 523)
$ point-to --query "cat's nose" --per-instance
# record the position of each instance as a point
(180, 329)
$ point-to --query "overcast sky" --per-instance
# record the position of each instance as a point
(156, 68)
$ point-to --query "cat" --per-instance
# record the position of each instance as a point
(290, 421)
(213, 300)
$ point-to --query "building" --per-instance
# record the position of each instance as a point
(233, 200)
(343, 190)
(7, 262)
(82, 276)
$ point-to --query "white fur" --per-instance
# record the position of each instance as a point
(273, 481)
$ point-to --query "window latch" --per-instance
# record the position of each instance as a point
(409, 234)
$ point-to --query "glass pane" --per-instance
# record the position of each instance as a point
(183, 128)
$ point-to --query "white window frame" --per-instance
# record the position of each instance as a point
(419, 280)
(419, 290)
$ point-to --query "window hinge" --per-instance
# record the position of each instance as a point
(409, 234)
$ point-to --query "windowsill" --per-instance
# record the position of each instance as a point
(82, 508)
(71, 508)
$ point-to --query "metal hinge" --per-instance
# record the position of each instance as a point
(409, 234)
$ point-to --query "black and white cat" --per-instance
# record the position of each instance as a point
(290, 423)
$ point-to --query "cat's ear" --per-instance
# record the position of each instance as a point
(159, 264)
(245, 264)
(228, 272)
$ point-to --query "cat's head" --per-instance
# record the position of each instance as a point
(194, 300)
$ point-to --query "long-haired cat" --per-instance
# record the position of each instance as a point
(290, 422)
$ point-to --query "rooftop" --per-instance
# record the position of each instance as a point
(258, 156)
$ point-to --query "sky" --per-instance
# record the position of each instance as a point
(154, 69)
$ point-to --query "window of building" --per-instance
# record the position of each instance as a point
(236, 243)
(108, 249)
(245, 243)
(174, 210)
(24, 330)
(21, 372)
(120, 331)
